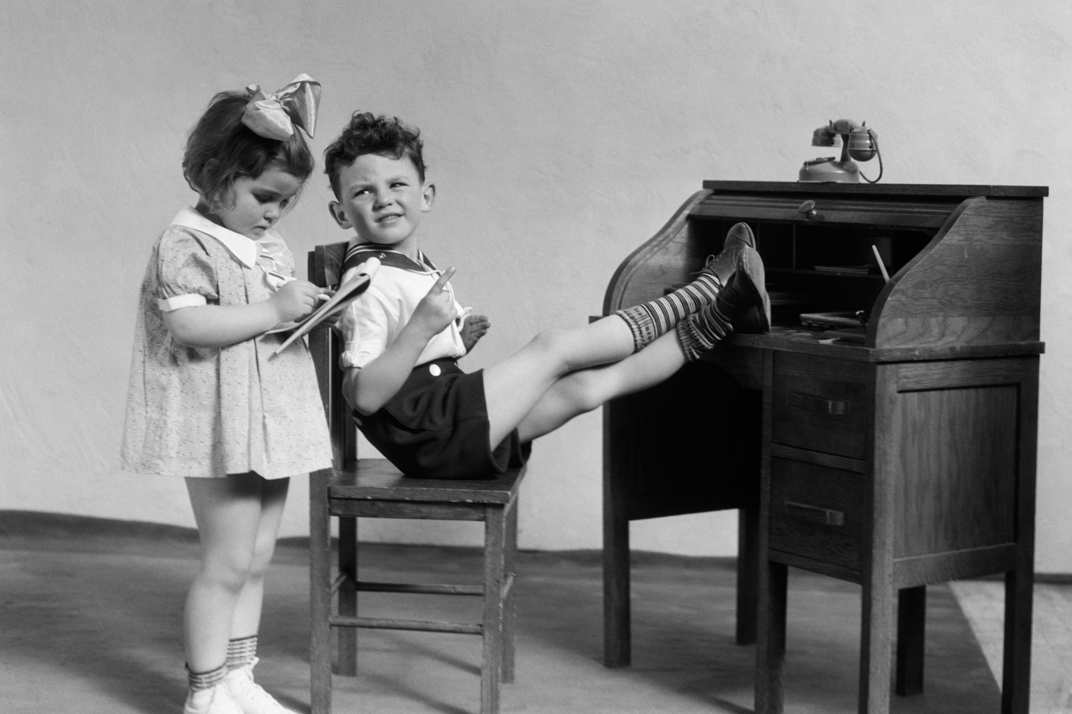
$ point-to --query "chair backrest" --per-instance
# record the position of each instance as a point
(325, 266)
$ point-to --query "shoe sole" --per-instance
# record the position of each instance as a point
(757, 318)
(734, 242)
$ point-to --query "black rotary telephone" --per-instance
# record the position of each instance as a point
(858, 141)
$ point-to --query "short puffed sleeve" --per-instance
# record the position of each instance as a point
(185, 274)
(365, 328)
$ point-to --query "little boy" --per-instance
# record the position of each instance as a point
(403, 337)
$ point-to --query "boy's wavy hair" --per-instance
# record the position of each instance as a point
(221, 149)
(370, 134)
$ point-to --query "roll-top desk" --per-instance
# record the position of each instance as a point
(894, 451)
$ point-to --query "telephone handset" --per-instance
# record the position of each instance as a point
(858, 141)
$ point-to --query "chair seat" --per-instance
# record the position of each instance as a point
(374, 488)
(377, 479)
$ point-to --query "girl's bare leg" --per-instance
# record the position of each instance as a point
(228, 515)
(584, 390)
(514, 386)
(247, 612)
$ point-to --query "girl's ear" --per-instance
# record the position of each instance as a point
(427, 196)
(337, 212)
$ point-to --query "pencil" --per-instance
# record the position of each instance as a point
(881, 265)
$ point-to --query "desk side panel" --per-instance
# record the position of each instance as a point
(977, 282)
(959, 429)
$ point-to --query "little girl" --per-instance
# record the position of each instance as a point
(205, 401)
(404, 335)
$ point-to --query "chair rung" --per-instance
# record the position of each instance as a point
(427, 589)
(376, 623)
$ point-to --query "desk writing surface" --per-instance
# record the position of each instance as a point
(822, 343)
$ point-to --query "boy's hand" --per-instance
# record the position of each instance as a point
(474, 327)
(436, 309)
(296, 299)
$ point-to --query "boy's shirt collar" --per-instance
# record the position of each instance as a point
(357, 253)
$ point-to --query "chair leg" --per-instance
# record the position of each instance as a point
(510, 617)
(494, 575)
(319, 594)
(347, 636)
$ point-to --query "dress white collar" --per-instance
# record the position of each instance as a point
(244, 249)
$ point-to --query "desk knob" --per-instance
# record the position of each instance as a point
(807, 209)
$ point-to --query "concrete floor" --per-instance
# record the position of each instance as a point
(983, 602)
(91, 620)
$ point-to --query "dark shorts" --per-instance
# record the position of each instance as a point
(437, 426)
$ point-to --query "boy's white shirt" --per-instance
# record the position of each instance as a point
(373, 321)
(244, 249)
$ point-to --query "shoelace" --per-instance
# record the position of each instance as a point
(254, 693)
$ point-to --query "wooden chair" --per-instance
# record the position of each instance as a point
(372, 488)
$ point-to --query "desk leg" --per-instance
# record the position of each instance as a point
(1016, 666)
(911, 626)
(770, 649)
(747, 573)
(876, 650)
(616, 613)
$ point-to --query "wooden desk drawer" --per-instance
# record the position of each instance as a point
(821, 404)
(817, 512)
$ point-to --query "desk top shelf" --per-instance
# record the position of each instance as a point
(873, 190)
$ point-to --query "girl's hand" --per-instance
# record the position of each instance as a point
(296, 299)
(436, 309)
(474, 327)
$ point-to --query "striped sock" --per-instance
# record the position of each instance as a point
(700, 332)
(241, 651)
(199, 681)
(651, 319)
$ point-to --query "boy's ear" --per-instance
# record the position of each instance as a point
(337, 212)
(428, 195)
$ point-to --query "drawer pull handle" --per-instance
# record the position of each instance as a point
(821, 405)
(807, 209)
(815, 514)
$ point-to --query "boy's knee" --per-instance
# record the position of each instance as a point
(587, 389)
(550, 339)
(552, 342)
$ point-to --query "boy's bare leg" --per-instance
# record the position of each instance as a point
(584, 390)
(517, 386)
(514, 386)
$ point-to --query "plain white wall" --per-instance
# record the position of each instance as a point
(561, 135)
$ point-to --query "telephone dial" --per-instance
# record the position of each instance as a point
(858, 141)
